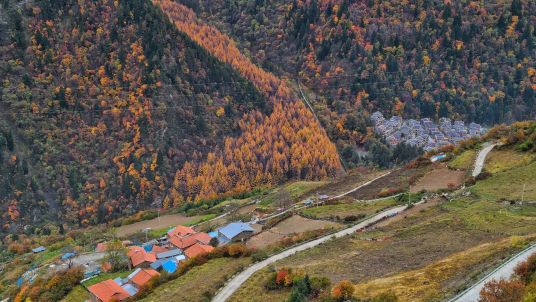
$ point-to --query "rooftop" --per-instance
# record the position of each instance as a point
(234, 229)
(108, 290)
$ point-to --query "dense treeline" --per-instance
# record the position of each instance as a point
(468, 60)
(102, 101)
(289, 143)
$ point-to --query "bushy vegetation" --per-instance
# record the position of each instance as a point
(521, 288)
(464, 59)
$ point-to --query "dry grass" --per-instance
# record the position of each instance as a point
(442, 178)
(347, 209)
(508, 185)
(502, 160)
(428, 283)
(464, 161)
(200, 283)
(253, 290)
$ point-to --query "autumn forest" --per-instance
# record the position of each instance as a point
(109, 107)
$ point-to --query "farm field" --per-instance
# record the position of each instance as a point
(348, 182)
(508, 185)
(287, 194)
(350, 208)
(464, 161)
(500, 160)
(163, 222)
(396, 182)
(199, 283)
(437, 179)
(429, 283)
(292, 225)
(414, 241)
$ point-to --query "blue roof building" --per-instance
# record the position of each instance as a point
(170, 266)
(235, 231)
(39, 249)
(67, 256)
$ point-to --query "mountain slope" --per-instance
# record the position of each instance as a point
(289, 143)
(466, 60)
(102, 101)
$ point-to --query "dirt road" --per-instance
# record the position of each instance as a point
(229, 289)
(502, 272)
(481, 159)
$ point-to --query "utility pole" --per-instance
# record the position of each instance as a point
(523, 194)
(409, 196)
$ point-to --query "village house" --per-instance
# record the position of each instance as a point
(235, 231)
(139, 257)
(197, 249)
(107, 291)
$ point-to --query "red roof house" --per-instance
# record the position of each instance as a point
(181, 231)
(185, 242)
(143, 276)
(139, 257)
(197, 249)
(107, 291)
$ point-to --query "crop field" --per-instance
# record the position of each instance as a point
(464, 161)
(500, 160)
(292, 225)
(289, 193)
(417, 240)
(436, 281)
(200, 283)
(396, 182)
(508, 185)
(345, 209)
(437, 179)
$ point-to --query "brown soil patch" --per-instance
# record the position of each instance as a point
(410, 212)
(348, 182)
(395, 182)
(414, 241)
(439, 179)
(292, 225)
(156, 223)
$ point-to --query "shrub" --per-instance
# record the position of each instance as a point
(526, 270)
(502, 291)
(344, 290)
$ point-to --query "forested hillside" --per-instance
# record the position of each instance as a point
(466, 60)
(106, 106)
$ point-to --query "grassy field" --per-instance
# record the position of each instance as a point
(200, 283)
(415, 242)
(508, 185)
(502, 160)
(78, 294)
(347, 209)
(105, 276)
(254, 287)
(428, 283)
(286, 194)
(464, 161)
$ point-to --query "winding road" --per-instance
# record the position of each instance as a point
(502, 272)
(481, 159)
(230, 288)
(360, 186)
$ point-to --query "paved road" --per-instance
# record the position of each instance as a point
(360, 186)
(502, 272)
(233, 285)
(481, 159)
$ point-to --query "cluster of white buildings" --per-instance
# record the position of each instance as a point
(423, 133)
